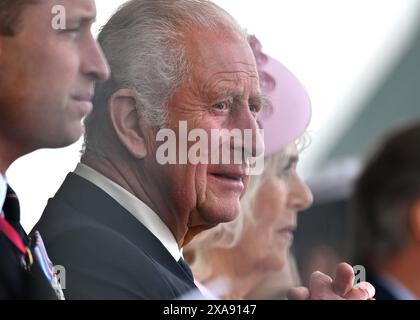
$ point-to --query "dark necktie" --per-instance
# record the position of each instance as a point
(186, 268)
(10, 226)
(11, 210)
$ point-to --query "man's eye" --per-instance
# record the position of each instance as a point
(254, 108)
(72, 30)
(221, 106)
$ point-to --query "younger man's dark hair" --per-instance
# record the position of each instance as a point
(10, 13)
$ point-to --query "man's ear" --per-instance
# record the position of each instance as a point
(414, 219)
(124, 116)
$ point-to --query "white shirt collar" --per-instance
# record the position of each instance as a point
(134, 205)
(3, 190)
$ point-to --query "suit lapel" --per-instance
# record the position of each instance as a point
(94, 203)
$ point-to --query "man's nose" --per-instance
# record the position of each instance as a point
(94, 62)
(253, 139)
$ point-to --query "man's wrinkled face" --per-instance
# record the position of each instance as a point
(223, 93)
(47, 75)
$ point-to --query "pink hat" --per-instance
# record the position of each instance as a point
(290, 111)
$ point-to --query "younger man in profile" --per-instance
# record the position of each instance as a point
(47, 78)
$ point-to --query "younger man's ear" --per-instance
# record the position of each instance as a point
(124, 116)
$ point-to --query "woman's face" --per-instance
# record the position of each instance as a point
(280, 197)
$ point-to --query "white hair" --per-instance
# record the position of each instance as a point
(143, 43)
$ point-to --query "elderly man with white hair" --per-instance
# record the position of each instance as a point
(119, 222)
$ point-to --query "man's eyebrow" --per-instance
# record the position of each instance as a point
(227, 92)
(82, 19)
(259, 98)
(262, 99)
(83, 16)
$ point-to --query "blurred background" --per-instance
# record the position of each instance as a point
(360, 61)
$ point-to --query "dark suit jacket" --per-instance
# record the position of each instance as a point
(16, 283)
(382, 292)
(107, 253)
